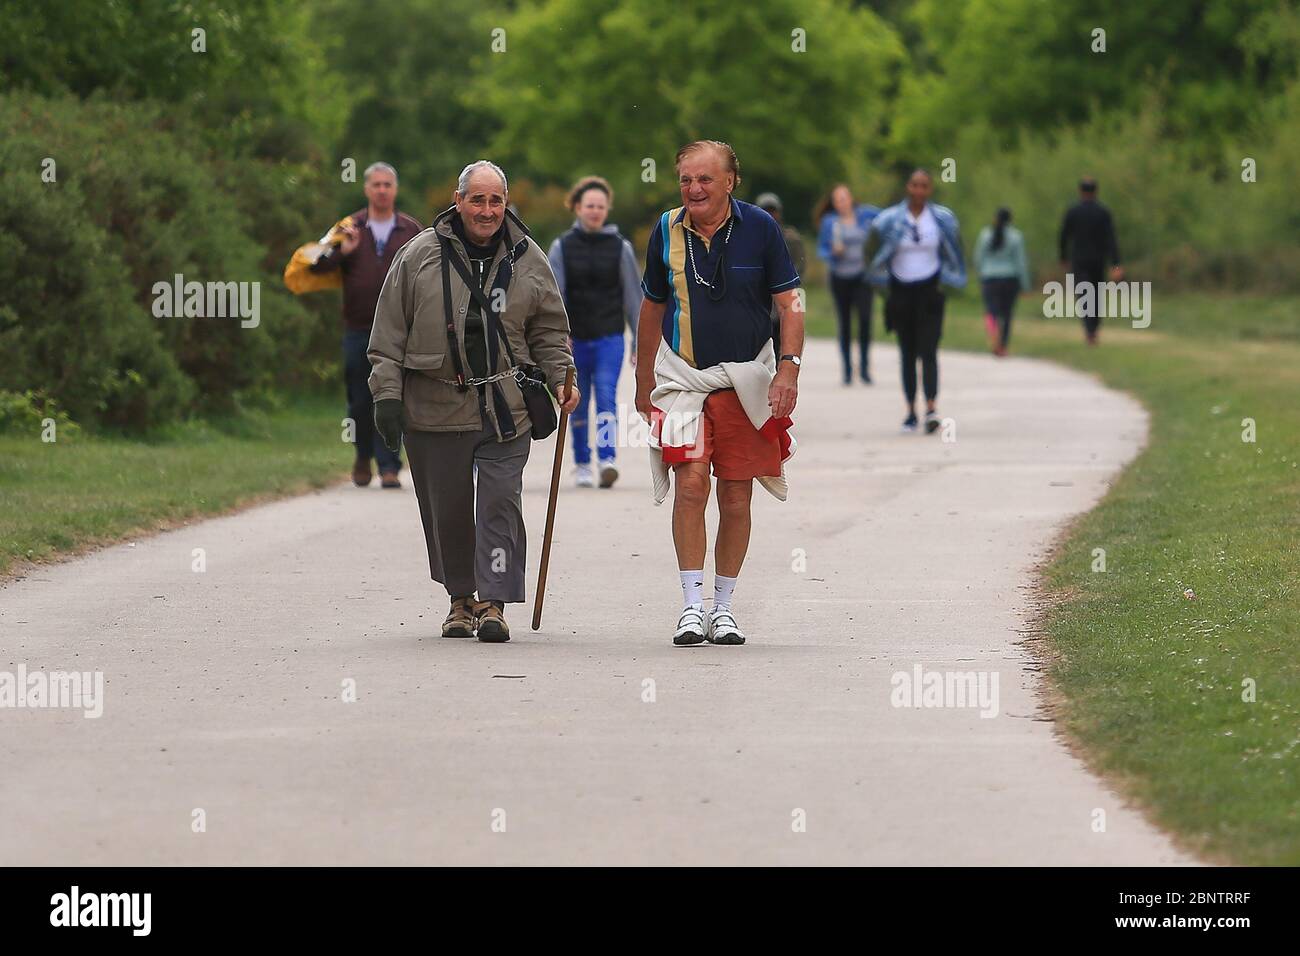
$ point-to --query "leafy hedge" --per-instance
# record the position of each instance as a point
(140, 195)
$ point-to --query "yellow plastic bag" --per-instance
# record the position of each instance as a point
(299, 278)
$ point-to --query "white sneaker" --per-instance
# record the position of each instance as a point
(722, 627)
(583, 477)
(608, 474)
(691, 628)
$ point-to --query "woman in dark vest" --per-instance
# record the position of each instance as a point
(597, 273)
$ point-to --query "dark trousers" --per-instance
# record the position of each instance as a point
(915, 313)
(849, 294)
(1000, 302)
(361, 408)
(469, 486)
(1093, 272)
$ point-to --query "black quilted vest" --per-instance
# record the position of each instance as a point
(593, 294)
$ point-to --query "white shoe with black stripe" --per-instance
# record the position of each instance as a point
(691, 628)
(722, 627)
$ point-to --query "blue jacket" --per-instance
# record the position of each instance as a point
(865, 214)
(887, 230)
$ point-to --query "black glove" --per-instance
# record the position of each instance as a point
(388, 422)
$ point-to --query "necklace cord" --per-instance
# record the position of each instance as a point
(718, 286)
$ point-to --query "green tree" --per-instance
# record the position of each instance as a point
(258, 82)
(1017, 65)
(584, 87)
(403, 63)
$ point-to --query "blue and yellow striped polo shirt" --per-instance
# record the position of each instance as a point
(730, 321)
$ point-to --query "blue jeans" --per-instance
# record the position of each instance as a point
(599, 362)
(361, 408)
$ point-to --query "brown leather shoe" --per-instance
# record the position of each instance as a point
(460, 622)
(361, 473)
(492, 627)
(389, 479)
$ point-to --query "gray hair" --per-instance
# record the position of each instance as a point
(463, 182)
(379, 168)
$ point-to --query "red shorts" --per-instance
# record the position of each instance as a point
(729, 440)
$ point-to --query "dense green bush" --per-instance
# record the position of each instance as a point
(138, 198)
(27, 413)
(69, 324)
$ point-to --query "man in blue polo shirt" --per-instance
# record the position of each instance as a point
(708, 381)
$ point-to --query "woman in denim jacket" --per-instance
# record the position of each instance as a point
(915, 252)
(841, 237)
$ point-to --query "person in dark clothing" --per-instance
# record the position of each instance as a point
(771, 204)
(597, 273)
(1087, 244)
(377, 233)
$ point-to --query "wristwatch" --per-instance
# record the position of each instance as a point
(793, 358)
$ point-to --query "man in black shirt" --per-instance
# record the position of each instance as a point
(1087, 244)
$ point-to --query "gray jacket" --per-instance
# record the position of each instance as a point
(409, 347)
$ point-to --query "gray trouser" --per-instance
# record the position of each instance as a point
(472, 546)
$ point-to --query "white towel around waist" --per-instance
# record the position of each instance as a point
(679, 394)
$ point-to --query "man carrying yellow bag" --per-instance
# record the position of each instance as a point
(355, 255)
(298, 275)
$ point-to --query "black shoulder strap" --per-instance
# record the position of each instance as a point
(504, 275)
(449, 253)
(500, 407)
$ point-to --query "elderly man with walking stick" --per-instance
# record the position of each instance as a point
(469, 335)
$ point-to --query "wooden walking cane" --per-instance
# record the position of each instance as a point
(550, 505)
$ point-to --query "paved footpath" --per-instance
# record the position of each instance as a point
(593, 740)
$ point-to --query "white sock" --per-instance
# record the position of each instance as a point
(722, 589)
(692, 588)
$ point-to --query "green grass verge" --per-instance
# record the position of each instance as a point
(78, 492)
(1153, 682)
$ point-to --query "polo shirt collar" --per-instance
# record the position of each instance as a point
(735, 211)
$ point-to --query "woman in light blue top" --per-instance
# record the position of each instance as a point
(1004, 273)
(841, 237)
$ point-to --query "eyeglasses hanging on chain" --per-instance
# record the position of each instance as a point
(718, 286)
